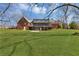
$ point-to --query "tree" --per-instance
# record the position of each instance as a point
(73, 25)
(2, 13)
(64, 22)
(65, 8)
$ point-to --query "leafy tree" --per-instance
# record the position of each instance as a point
(73, 25)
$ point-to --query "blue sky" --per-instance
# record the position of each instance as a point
(37, 11)
(31, 11)
(16, 11)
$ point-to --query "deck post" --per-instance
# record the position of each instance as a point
(40, 28)
(24, 28)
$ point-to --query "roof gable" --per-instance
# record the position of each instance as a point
(23, 19)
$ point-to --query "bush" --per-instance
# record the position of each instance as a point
(73, 25)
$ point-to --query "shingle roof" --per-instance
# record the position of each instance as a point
(40, 20)
(24, 18)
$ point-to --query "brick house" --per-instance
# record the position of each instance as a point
(40, 24)
(55, 24)
(23, 23)
(37, 24)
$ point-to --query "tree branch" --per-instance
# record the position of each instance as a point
(60, 7)
(5, 9)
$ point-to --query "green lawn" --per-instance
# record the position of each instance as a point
(45, 43)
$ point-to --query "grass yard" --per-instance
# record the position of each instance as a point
(46, 43)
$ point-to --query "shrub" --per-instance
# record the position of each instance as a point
(73, 25)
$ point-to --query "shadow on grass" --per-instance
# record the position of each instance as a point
(15, 45)
(76, 34)
(13, 50)
(30, 47)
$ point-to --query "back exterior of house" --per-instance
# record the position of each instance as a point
(36, 24)
(22, 24)
(40, 24)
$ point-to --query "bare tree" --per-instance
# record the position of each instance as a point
(64, 22)
(51, 11)
(3, 12)
(65, 8)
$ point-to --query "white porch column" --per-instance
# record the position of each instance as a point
(24, 28)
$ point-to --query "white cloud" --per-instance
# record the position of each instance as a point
(36, 9)
(39, 10)
(23, 6)
(15, 12)
(43, 10)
